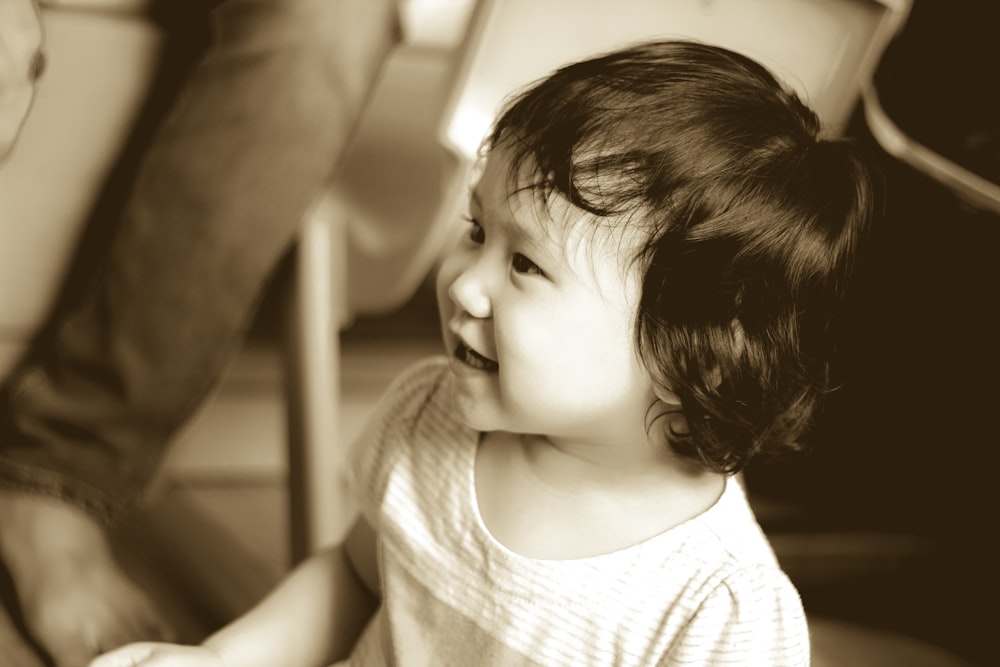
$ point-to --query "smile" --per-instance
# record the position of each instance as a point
(471, 358)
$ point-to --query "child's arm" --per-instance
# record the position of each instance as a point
(311, 619)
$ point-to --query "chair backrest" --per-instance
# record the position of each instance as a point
(396, 175)
(402, 184)
(826, 49)
(406, 177)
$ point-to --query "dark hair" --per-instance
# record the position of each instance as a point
(752, 223)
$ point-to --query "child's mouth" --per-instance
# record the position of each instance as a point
(470, 357)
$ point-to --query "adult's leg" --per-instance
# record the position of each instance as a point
(218, 200)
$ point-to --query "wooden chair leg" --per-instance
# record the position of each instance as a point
(312, 359)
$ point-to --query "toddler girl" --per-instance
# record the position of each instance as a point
(640, 304)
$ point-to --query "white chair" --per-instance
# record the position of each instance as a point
(827, 49)
(377, 219)
(368, 242)
(966, 184)
(418, 135)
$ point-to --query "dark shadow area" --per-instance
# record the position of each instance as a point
(908, 447)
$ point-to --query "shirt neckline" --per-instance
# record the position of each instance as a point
(658, 543)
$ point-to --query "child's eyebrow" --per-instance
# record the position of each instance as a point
(517, 228)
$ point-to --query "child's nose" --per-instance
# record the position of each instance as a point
(469, 292)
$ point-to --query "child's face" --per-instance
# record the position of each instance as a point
(538, 311)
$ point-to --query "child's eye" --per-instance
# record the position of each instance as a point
(476, 233)
(524, 265)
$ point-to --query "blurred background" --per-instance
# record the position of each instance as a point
(885, 523)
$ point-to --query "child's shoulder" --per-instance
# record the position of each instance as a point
(754, 613)
(421, 381)
(418, 392)
(738, 584)
(416, 399)
(729, 532)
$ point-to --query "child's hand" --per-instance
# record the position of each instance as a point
(154, 654)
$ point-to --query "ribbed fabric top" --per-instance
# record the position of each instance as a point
(706, 592)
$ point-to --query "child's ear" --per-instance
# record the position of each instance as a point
(672, 412)
(667, 397)
(657, 384)
(672, 400)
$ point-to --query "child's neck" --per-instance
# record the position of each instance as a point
(604, 465)
(562, 499)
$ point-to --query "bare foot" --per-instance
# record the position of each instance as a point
(74, 598)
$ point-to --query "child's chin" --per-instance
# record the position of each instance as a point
(474, 419)
(469, 410)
